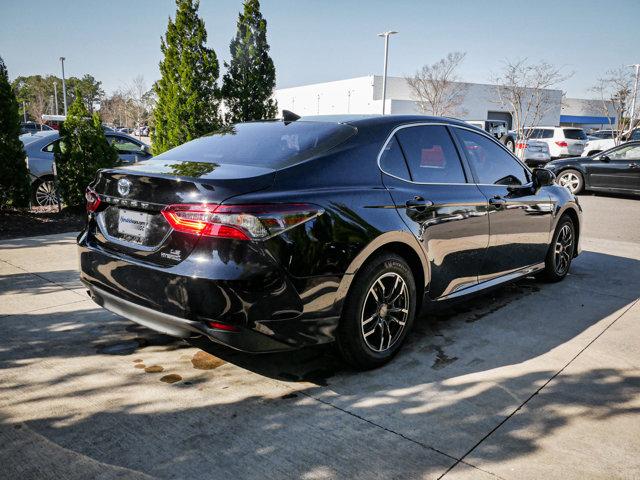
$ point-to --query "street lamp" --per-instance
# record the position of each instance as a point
(64, 87)
(635, 92)
(386, 60)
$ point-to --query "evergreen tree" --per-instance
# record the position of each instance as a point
(187, 105)
(248, 85)
(82, 151)
(14, 178)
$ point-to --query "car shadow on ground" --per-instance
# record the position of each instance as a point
(441, 395)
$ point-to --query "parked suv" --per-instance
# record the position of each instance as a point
(279, 234)
(499, 129)
(562, 141)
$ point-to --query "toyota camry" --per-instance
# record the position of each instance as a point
(275, 235)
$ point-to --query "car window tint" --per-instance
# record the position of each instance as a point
(492, 164)
(628, 152)
(50, 148)
(575, 134)
(431, 154)
(124, 145)
(392, 160)
(635, 135)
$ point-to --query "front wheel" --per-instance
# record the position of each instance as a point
(561, 251)
(571, 180)
(44, 193)
(510, 145)
(378, 313)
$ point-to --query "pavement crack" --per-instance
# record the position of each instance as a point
(461, 460)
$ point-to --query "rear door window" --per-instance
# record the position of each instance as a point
(492, 164)
(431, 155)
(392, 160)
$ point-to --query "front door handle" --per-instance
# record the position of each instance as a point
(497, 201)
(634, 165)
(418, 202)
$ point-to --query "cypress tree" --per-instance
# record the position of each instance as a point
(14, 177)
(82, 150)
(248, 84)
(187, 105)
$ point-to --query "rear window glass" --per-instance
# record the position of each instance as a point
(267, 144)
(539, 132)
(575, 134)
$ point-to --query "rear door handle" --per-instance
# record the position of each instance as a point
(418, 202)
(497, 201)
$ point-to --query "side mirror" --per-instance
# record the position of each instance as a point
(543, 177)
(605, 158)
(144, 149)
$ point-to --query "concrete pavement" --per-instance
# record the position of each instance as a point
(530, 381)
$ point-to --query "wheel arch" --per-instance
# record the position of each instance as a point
(573, 214)
(401, 243)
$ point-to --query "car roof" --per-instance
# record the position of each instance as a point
(379, 120)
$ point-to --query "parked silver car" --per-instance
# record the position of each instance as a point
(536, 153)
(40, 146)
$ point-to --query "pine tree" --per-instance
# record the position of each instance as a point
(14, 177)
(83, 150)
(187, 105)
(248, 85)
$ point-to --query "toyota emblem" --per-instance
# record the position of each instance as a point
(124, 187)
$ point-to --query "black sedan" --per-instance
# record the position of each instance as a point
(616, 170)
(279, 234)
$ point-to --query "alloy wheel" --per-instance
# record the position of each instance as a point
(569, 180)
(385, 312)
(563, 249)
(46, 194)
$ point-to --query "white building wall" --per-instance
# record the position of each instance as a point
(363, 95)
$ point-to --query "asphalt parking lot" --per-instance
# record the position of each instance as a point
(530, 381)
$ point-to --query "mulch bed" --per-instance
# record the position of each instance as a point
(39, 221)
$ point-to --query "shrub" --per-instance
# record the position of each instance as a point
(82, 151)
(14, 177)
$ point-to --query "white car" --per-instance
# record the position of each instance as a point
(536, 153)
(596, 146)
(562, 141)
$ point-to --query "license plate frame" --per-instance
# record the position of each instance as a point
(133, 224)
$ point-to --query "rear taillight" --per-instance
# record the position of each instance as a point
(521, 146)
(93, 200)
(562, 144)
(240, 222)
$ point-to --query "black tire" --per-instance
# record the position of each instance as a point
(43, 192)
(554, 268)
(354, 335)
(572, 180)
(510, 144)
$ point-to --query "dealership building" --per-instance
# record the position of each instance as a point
(363, 95)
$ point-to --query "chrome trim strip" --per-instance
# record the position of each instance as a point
(494, 281)
(452, 125)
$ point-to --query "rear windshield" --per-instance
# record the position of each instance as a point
(539, 132)
(273, 145)
(575, 134)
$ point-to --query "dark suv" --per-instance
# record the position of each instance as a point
(279, 234)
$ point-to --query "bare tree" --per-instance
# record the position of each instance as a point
(615, 91)
(436, 88)
(526, 90)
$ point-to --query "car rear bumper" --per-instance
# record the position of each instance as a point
(268, 309)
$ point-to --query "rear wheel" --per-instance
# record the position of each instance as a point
(509, 143)
(561, 251)
(379, 312)
(572, 180)
(44, 193)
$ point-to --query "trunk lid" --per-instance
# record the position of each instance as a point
(129, 221)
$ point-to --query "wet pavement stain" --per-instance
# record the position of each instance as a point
(154, 369)
(205, 361)
(171, 378)
(442, 359)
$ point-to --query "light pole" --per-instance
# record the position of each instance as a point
(64, 87)
(386, 60)
(349, 92)
(635, 93)
(55, 94)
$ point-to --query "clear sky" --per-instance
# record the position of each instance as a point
(320, 40)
